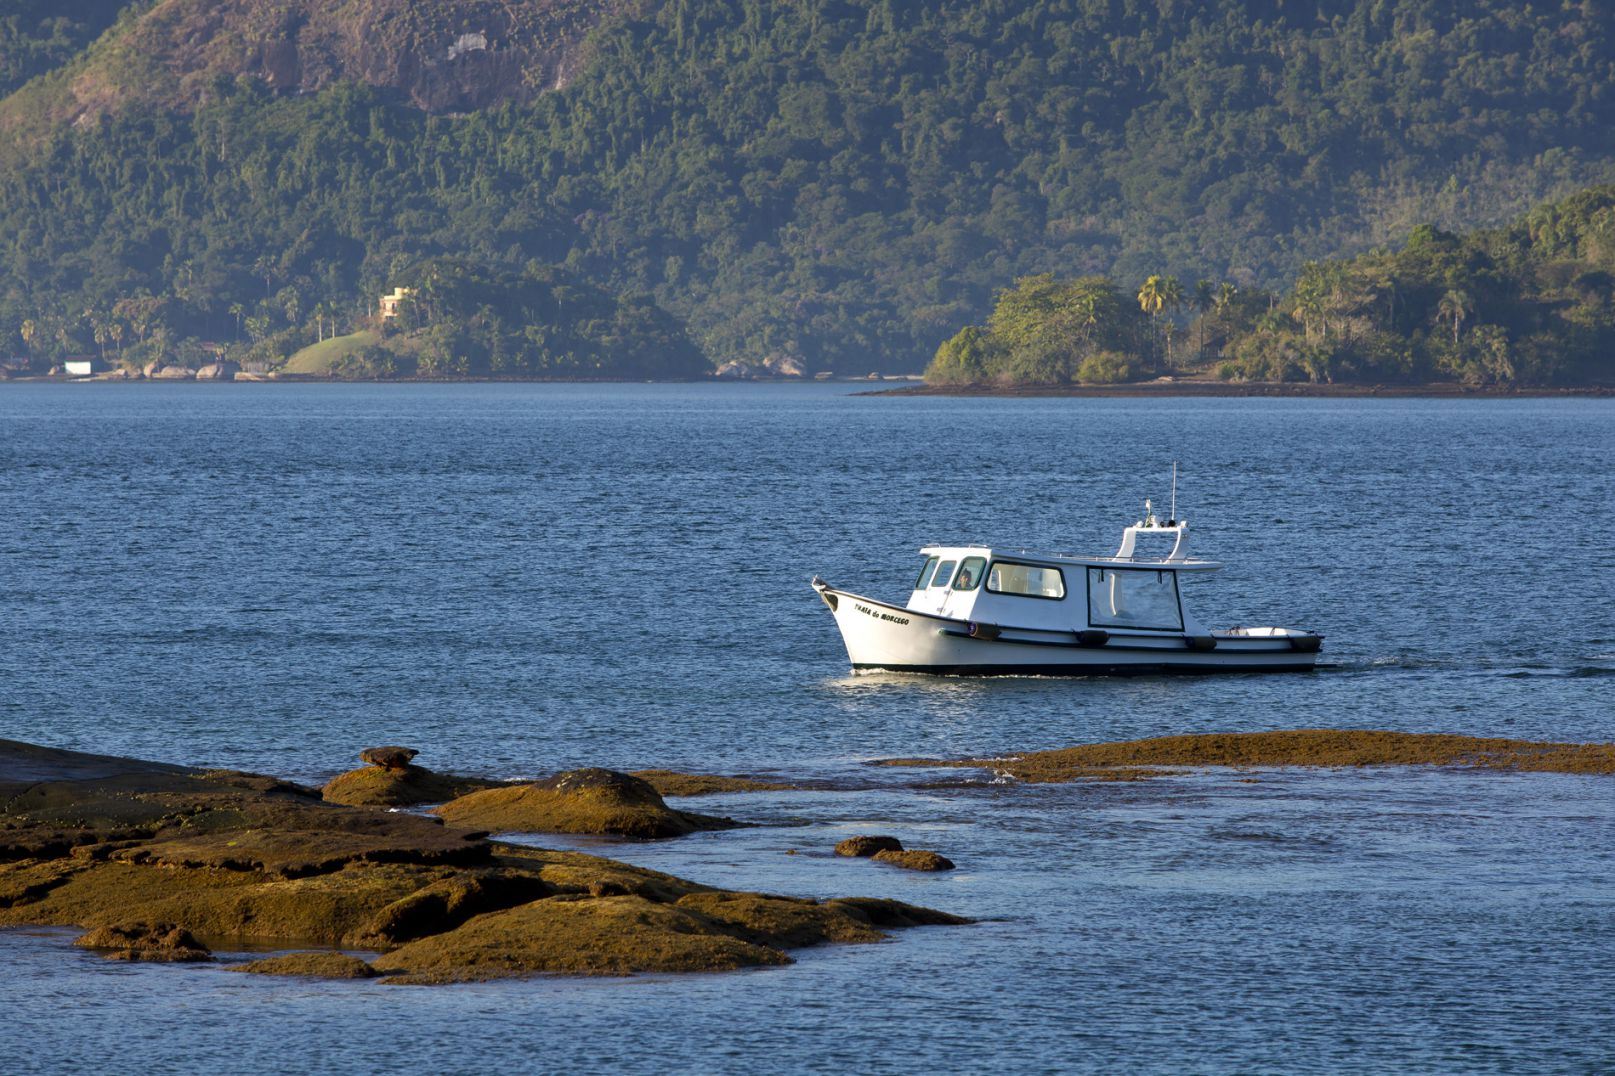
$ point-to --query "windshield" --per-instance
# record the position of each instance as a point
(925, 573)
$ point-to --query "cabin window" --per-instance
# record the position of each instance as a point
(944, 573)
(970, 573)
(925, 573)
(1134, 598)
(1026, 580)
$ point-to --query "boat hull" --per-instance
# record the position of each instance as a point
(886, 637)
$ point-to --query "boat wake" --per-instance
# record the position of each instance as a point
(1579, 672)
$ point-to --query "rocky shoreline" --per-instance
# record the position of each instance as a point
(162, 863)
(389, 871)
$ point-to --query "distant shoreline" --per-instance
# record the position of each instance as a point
(1134, 390)
(315, 379)
(1437, 390)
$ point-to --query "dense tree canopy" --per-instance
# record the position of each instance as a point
(846, 181)
(1532, 303)
(463, 319)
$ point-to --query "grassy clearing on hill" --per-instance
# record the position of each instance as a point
(326, 357)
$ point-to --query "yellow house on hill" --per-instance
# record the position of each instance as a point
(389, 303)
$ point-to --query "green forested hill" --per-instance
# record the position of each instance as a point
(38, 36)
(847, 181)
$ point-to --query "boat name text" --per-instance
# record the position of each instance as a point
(867, 611)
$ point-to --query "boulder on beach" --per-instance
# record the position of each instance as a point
(915, 859)
(578, 801)
(320, 965)
(864, 847)
(784, 365)
(218, 371)
(172, 373)
(392, 781)
(158, 942)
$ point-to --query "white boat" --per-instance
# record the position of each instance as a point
(984, 611)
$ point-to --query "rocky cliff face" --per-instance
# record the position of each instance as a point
(439, 55)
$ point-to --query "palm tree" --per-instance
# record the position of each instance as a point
(1312, 288)
(1152, 297)
(1149, 296)
(264, 266)
(1171, 293)
(237, 310)
(1205, 297)
(1455, 306)
(1088, 308)
(29, 330)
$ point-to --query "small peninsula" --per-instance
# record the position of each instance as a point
(1528, 307)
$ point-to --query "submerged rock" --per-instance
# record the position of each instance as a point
(158, 942)
(673, 783)
(915, 859)
(868, 846)
(579, 801)
(323, 965)
(1295, 747)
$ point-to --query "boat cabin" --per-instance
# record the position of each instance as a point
(1128, 592)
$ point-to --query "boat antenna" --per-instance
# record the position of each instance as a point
(1173, 515)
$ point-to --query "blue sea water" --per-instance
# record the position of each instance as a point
(520, 578)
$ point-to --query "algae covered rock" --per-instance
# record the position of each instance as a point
(578, 801)
(706, 930)
(915, 859)
(884, 912)
(377, 786)
(392, 780)
(864, 847)
(600, 936)
(311, 965)
(149, 858)
(445, 904)
(792, 922)
(1292, 747)
(159, 942)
